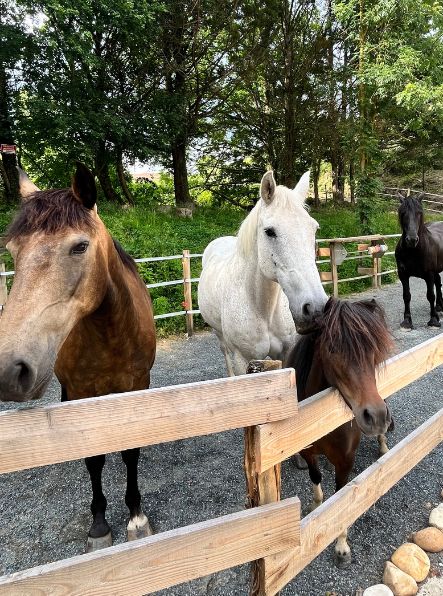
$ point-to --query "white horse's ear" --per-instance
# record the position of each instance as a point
(267, 187)
(301, 189)
(26, 186)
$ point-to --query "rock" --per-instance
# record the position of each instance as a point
(413, 560)
(400, 583)
(378, 590)
(430, 539)
(436, 517)
(184, 212)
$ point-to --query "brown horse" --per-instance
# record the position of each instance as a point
(349, 341)
(77, 307)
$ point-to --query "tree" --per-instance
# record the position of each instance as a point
(12, 39)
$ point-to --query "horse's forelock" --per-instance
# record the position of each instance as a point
(284, 198)
(50, 211)
(355, 330)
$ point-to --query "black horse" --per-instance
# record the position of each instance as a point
(419, 253)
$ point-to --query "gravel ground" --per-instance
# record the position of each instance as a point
(45, 512)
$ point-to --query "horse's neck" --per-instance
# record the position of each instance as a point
(263, 292)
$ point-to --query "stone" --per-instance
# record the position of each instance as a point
(400, 583)
(436, 517)
(378, 590)
(430, 539)
(184, 212)
(413, 560)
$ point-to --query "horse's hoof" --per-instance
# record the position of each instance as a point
(383, 450)
(406, 327)
(94, 544)
(434, 324)
(139, 527)
(343, 560)
(300, 463)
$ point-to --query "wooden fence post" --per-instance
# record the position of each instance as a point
(187, 292)
(334, 271)
(3, 285)
(374, 267)
(261, 489)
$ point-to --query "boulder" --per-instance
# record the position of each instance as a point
(400, 583)
(436, 517)
(413, 560)
(430, 539)
(378, 590)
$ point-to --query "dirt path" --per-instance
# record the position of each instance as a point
(45, 512)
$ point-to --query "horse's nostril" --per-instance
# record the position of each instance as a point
(24, 375)
(367, 417)
(307, 309)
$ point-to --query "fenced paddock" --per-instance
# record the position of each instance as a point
(328, 262)
(277, 427)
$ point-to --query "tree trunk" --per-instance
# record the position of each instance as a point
(102, 173)
(8, 171)
(121, 178)
(352, 181)
(181, 186)
(315, 177)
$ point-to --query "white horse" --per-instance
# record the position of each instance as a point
(257, 288)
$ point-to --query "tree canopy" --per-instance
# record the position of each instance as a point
(224, 89)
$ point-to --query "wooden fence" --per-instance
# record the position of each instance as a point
(327, 252)
(434, 203)
(270, 533)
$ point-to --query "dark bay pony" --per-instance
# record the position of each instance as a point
(77, 307)
(350, 340)
(419, 253)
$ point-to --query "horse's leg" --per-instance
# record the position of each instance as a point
(407, 319)
(138, 525)
(100, 533)
(382, 444)
(343, 468)
(439, 301)
(228, 360)
(430, 295)
(240, 364)
(315, 476)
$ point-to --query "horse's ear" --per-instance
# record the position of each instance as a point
(267, 187)
(302, 187)
(400, 197)
(83, 186)
(420, 197)
(26, 186)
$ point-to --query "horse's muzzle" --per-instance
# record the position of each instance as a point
(19, 380)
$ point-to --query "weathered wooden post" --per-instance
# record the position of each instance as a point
(374, 266)
(3, 285)
(262, 488)
(187, 292)
(334, 271)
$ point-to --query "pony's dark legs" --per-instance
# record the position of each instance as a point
(407, 320)
(315, 476)
(343, 469)
(439, 301)
(100, 533)
(430, 295)
(138, 526)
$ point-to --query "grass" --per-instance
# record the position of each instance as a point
(144, 232)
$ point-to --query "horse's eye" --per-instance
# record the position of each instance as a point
(79, 248)
(270, 232)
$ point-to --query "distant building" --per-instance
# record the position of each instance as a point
(152, 177)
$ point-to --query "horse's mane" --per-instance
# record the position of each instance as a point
(50, 211)
(410, 205)
(247, 234)
(355, 330)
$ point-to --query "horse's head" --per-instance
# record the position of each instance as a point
(286, 247)
(353, 340)
(60, 247)
(410, 215)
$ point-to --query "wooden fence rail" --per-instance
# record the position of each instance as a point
(266, 404)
